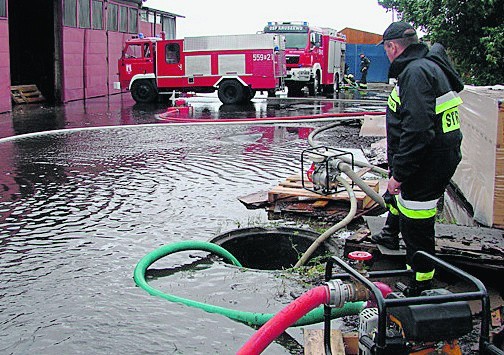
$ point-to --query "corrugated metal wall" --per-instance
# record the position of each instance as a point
(89, 51)
(5, 97)
(115, 45)
(378, 70)
(90, 55)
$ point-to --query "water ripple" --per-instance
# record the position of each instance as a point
(79, 209)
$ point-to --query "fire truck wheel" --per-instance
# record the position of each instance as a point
(294, 90)
(332, 88)
(314, 87)
(143, 91)
(251, 95)
(231, 92)
(336, 85)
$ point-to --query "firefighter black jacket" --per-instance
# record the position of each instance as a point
(423, 126)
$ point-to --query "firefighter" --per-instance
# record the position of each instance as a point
(349, 81)
(364, 66)
(423, 140)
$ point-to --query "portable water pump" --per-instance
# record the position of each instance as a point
(430, 323)
(324, 169)
(324, 173)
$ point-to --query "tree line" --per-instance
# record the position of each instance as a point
(472, 31)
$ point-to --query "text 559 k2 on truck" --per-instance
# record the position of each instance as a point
(235, 65)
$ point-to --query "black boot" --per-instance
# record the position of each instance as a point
(416, 288)
(389, 235)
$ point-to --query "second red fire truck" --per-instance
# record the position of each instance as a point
(236, 66)
(315, 56)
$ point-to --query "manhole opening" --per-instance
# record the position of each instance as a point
(272, 248)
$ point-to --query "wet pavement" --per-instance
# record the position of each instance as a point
(89, 188)
(118, 110)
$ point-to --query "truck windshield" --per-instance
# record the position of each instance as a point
(133, 50)
(296, 40)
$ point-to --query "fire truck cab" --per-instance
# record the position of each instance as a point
(236, 66)
(315, 56)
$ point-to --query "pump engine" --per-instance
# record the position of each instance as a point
(418, 329)
(323, 172)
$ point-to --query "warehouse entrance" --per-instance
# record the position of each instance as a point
(32, 48)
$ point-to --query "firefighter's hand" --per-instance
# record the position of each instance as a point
(394, 186)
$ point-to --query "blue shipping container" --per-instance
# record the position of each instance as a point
(378, 69)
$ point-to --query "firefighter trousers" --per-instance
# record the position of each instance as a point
(416, 224)
(418, 234)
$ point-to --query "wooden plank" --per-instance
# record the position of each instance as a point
(351, 341)
(314, 342)
(255, 200)
(293, 187)
(29, 87)
(320, 204)
(280, 192)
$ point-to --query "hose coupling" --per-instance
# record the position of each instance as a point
(340, 293)
(336, 163)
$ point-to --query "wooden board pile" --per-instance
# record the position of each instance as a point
(290, 196)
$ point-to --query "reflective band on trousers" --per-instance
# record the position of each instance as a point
(447, 101)
(393, 99)
(417, 209)
(423, 276)
(392, 209)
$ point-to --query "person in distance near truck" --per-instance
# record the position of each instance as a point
(423, 142)
(364, 66)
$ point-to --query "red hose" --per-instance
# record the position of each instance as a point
(165, 116)
(284, 319)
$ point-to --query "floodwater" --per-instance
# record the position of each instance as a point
(79, 208)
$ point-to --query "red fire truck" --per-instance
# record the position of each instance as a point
(315, 56)
(236, 66)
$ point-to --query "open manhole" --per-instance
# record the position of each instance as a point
(272, 248)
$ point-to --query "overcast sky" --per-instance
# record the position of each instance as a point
(222, 17)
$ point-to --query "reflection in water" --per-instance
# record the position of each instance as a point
(122, 110)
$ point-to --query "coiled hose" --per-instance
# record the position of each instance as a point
(250, 318)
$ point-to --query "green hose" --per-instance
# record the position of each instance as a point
(258, 319)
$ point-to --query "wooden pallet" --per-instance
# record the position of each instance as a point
(23, 94)
(292, 187)
(341, 344)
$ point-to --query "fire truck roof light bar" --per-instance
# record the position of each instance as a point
(304, 23)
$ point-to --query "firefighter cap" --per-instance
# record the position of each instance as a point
(398, 30)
